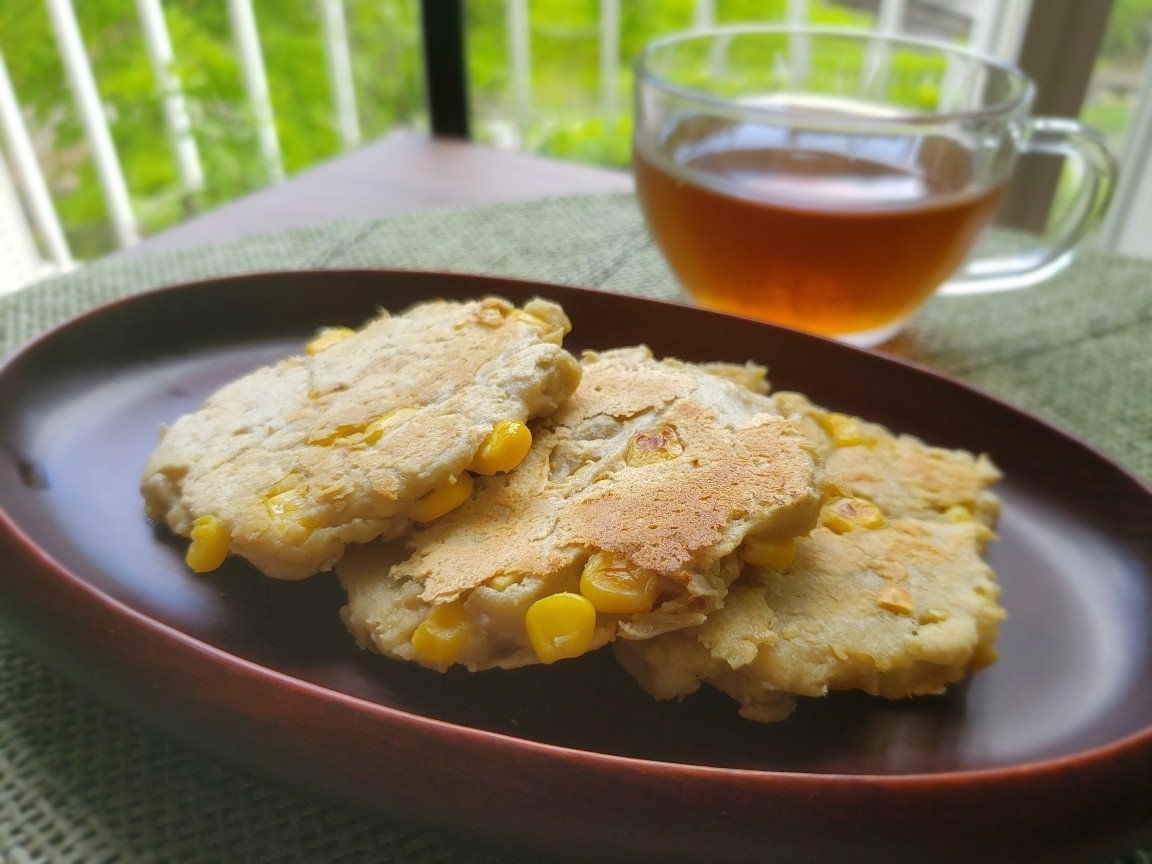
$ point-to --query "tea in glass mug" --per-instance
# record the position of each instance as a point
(833, 180)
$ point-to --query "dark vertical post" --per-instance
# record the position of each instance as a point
(1059, 52)
(445, 66)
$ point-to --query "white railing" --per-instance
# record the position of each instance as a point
(32, 242)
(247, 37)
(1128, 226)
(176, 119)
(22, 260)
(340, 71)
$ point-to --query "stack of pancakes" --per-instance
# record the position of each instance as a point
(707, 529)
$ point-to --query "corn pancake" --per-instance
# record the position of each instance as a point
(357, 437)
(889, 594)
(622, 520)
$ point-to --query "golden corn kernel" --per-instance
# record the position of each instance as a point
(503, 581)
(443, 499)
(289, 510)
(616, 587)
(340, 435)
(287, 504)
(844, 431)
(958, 513)
(370, 432)
(531, 320)
(648, 447)
(287, 483)
(326, 338)
(895, 598)
(442, 634)
(375, 430)
(292, 503)
(843, 514)
(551, 328)
(560, 626)
(760, 552)
(209, 546)
(503, 449)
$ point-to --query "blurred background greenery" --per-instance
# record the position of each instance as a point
(571, 116)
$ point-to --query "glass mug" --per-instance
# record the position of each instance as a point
(834, 180)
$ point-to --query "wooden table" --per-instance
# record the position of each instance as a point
(401, 173)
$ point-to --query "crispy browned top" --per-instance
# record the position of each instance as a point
(658, 461)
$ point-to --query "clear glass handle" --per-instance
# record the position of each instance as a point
(1057, 247)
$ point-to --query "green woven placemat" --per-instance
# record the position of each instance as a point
(82, 782)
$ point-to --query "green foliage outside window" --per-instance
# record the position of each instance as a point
(386, 67)
(571, 116)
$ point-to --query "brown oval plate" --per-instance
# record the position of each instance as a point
(1045, 756)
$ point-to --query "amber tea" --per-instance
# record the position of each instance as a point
(817, 240)
(834, 180)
